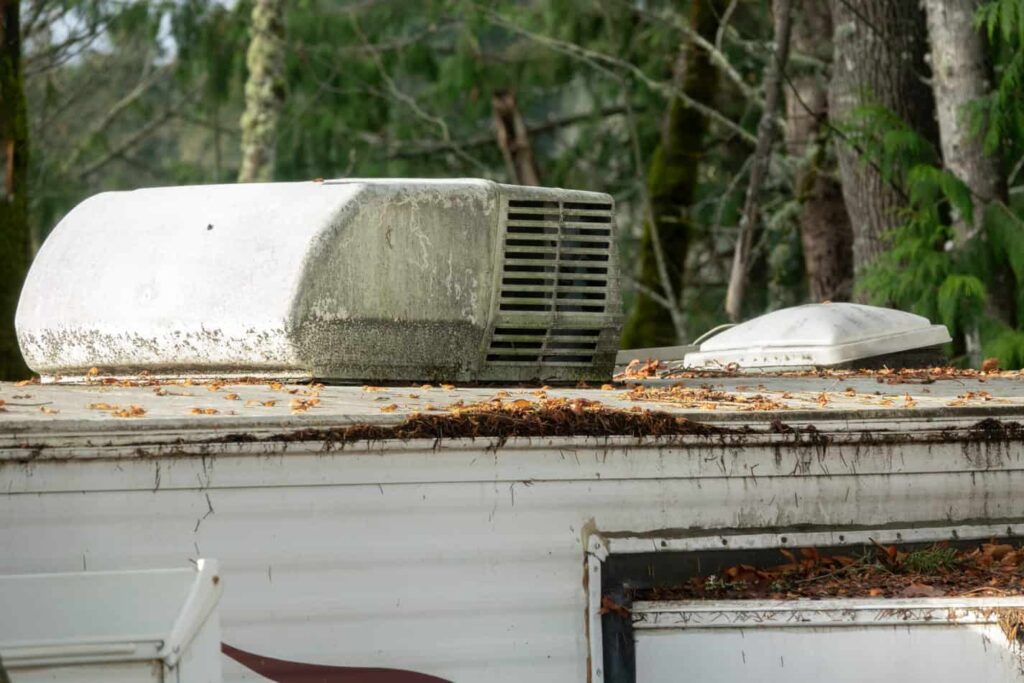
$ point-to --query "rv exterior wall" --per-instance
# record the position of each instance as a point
(465, 560)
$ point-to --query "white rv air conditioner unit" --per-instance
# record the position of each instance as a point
(340, 280)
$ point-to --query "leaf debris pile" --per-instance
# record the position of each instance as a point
(704, 397)
(639, 369)
(993, 568)
(522, 418)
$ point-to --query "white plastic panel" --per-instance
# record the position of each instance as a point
(141, 625)
(860, 640)
(817, 335)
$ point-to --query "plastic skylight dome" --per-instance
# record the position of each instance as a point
(816, 335)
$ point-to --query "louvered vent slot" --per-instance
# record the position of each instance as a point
(556, 260)
(534, 345)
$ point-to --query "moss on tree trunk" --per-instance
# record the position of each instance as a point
(671, 180)
(14, 229)
(264, 91)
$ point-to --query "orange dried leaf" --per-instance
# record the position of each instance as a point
(130, 411)
(389, 408)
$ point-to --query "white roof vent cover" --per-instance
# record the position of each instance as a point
(816, 335)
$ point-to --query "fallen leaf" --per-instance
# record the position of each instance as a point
(996, 552)
(389, 408)
(921, 590)
(301, 405)
(130, 411)
(204, 411)
(230, 397)
(46, 410)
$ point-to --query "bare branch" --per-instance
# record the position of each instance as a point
(147, 81)
(487, 139)
(638, 286)
(723, 23)
(669, 294)
(607, 64)
(766, 132)
(715, 54)
(411, 102)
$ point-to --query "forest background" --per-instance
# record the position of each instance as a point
(762, 153)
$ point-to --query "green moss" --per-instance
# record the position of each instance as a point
(671, 181)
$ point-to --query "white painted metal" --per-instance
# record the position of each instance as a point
(869, 404)
(135, 625)
(849, 641)
(815, 335)
(596, 554)
(354, 279)
(463, 559)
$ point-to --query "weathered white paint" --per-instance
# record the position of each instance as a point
(815, 335)
(353, 279)
(143, 625)
(847, 641)
(466, 559)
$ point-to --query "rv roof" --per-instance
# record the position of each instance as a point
(140, 405)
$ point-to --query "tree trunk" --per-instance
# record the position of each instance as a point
(766, 133)
(671, 180)
(264, 91)
(960, 75)
(514, 140)
(825, 233)
(879, 58)
(14, 229)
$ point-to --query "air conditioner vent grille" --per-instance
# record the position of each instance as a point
(543, 345)
(556, 261)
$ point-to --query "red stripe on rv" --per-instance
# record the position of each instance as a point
(284, 671)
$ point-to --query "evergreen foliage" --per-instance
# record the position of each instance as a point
(924, 270)
(150, 92)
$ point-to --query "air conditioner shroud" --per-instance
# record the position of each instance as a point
(347, 280)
